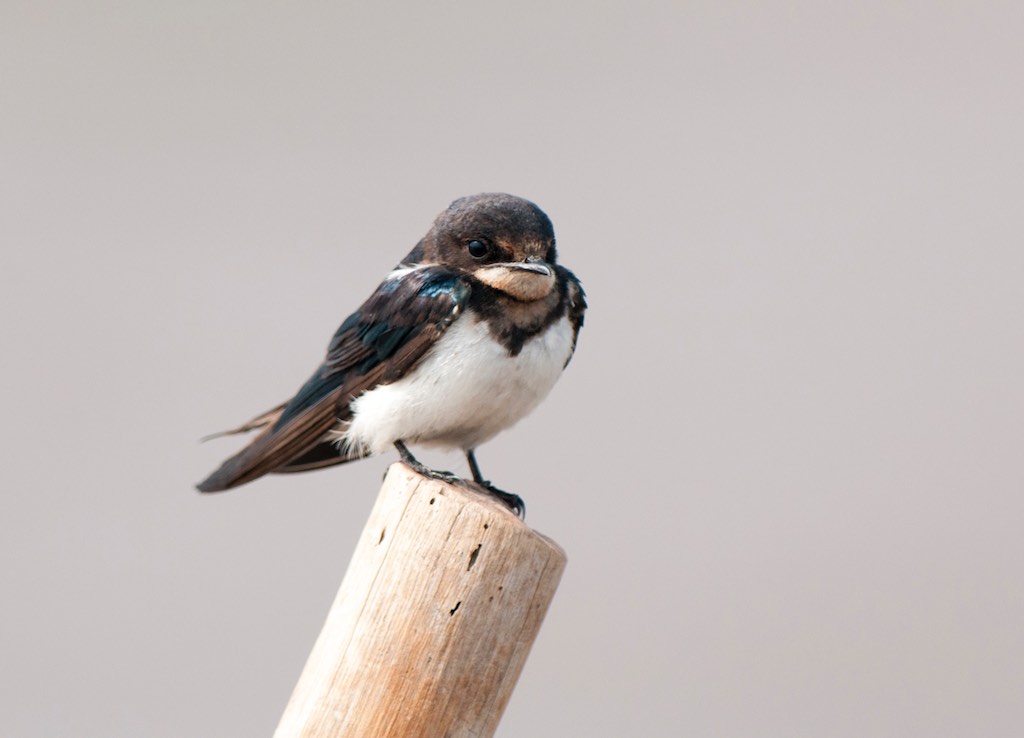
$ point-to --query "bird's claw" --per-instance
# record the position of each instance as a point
(511, 500)
(441, 476)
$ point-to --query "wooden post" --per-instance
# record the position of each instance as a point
(442, 600)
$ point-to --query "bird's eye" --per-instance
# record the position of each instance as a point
(477, 249)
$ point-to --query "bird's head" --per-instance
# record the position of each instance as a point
(504, 241)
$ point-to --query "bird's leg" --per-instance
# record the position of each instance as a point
(513, 501)
(410, 461)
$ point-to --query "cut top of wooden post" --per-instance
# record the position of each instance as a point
(442, 600)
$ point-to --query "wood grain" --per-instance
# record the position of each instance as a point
(434, 619)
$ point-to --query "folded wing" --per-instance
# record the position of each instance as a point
(377, 344)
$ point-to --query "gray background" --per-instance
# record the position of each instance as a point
(786, 461)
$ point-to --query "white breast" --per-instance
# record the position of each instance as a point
(466, 390)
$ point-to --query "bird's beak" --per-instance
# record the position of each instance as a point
(524, 280)
(537, 267)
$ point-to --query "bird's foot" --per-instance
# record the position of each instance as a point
(441, 476)
(420, 468)
(513, 501)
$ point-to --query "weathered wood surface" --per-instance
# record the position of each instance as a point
(434, 619)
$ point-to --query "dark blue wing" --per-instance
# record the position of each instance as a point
(375, 345)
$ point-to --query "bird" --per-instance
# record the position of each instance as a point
(460, 341)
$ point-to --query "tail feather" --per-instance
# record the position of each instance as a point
(273, 449)
(326, 453)
(260, 421)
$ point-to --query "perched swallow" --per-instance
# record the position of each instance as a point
(461, 341)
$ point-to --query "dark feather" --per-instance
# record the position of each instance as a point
(577, 305)
(324, 454)
(377, 344)
(260, 421)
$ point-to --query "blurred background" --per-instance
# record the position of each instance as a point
(786, 461)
